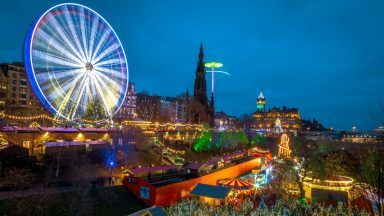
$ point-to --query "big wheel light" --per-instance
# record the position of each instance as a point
(73, 57)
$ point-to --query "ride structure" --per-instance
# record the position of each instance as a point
(75, 60)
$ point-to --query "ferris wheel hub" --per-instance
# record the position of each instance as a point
(89, 66)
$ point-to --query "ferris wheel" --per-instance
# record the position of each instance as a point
(73, 57)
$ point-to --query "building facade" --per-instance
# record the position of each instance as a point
(162, 109)
(200, 110)
(226, 122)
(276, 120)
(128, 110)
(172, 109)
(15, 90)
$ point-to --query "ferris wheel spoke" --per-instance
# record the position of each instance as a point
(79, 96)
(54, 44)
(108, 62)
(74, 34)
(112, 83)
(58, 29)
(50, 58)
(100, 43)
(83, 34)
(64, 88)
(101, 94)
(67, 74)
(67, 98)
(108, 71)
(92, 36)
(107, 51)
(72, 81)
(59, 75)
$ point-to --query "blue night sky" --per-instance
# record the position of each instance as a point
(325, 56)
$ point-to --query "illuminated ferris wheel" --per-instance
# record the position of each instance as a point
(73, 57)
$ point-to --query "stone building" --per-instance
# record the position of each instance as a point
(128, 110)
(15, 91)
(275, 120)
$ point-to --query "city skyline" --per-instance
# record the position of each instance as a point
(264, 47)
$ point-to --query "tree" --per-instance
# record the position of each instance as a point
(203, 142)
(148, 106)
(372, 177)
(258, 140)
(313, 159)
(95, 110)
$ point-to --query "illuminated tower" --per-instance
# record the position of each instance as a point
(284, 150)
(260, 102)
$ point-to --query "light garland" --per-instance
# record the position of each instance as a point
(27, 118)
(337, 185)
(44, 116)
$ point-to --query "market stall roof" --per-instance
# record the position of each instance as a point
(93, 130)
(157, 211)
(234, 183)
(59, 129)
(234, 155)
(152, 169)
(211, 191)
(194, 166)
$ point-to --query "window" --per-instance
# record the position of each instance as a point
(31, 97)
(23, 82)
(23, 103)
(14, 76)
(26, 144)
(14, 95)
(14, 82)
(23, 90)
(23, 96)
(14, 89)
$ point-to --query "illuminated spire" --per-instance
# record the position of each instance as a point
(261, 96)
(260, 102)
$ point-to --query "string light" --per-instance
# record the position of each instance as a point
(44, 116)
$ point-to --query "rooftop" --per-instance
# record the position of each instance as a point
(217, 192)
